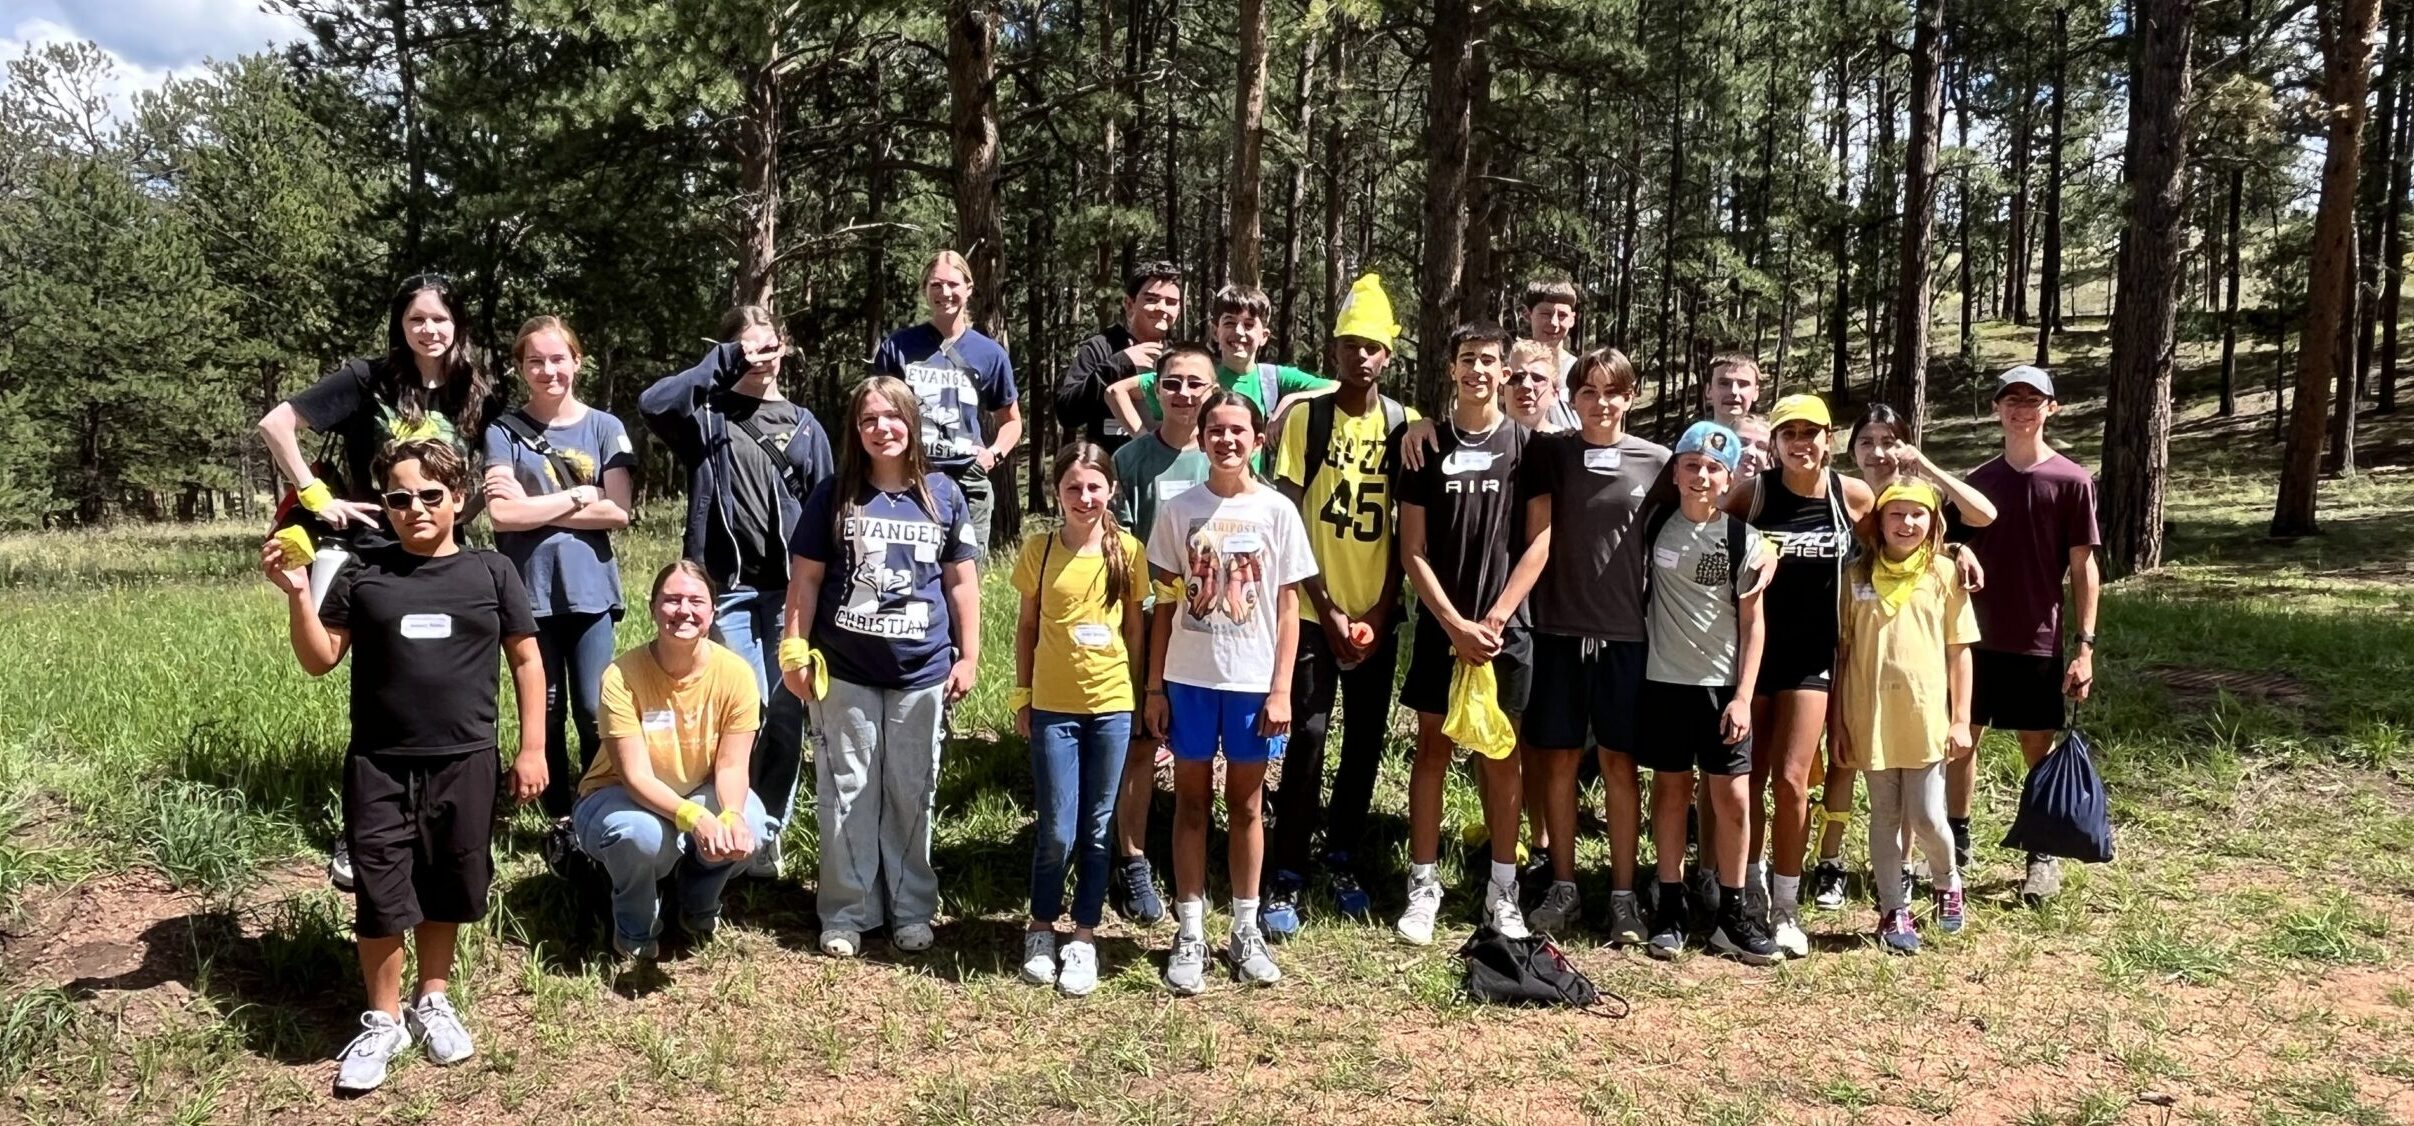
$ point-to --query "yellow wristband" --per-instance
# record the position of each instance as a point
(729, 819)
(1018, 699)
(795, 653)
(689, 813)
(314, 496)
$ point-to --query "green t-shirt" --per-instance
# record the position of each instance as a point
(1150, 472)
(1254, 383)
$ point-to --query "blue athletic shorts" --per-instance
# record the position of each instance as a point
(1205, 719)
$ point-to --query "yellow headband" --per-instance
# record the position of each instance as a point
(1920, 492)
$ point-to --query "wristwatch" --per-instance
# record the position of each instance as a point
(2087, 639)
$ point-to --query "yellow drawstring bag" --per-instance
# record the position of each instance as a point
(1475, 720)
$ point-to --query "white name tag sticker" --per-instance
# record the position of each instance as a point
(622, 443)
(1093, 635)
(1242, 543)
(1604, 461)
(427, 627)
(1664, 557)
(1473, 461)
(660, 720)
(1167, 490)
(1863, 592)
(964, 534)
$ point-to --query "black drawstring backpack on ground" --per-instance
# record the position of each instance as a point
(1530, 971)
(2064, 810)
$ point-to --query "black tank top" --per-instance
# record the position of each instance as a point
(1812, 540)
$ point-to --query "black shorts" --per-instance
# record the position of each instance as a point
(1680, 730)
(422, 834)
(1431, 665)
(1584, 688)
(1798, 669)
(2015, 691)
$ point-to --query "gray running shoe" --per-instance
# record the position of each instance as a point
(362, 1066)
(1626, 921)
(1561, 911)
(1250, 961)
(438, 1029)
(339, 864)
(1186, 970)
(2044, 880)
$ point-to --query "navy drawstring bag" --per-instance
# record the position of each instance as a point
(2063, 808)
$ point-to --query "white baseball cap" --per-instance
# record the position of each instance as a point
(2026, 375)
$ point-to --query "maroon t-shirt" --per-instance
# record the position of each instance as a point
(2040, 514)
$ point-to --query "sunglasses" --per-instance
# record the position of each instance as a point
(401, 499)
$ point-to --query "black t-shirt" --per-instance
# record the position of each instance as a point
(425, 635)
(746, 541)
(1474, 516)
(346, 404)
(1813, 542)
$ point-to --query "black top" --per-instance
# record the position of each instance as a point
(1474, 517)
(746, 541)
(1813, 538)
(346, 404)
(1081, 398)
(425, 632)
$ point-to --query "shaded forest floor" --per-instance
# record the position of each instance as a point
(171, 954)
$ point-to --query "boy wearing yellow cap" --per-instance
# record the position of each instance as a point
(1904, 693)
(1337, 459)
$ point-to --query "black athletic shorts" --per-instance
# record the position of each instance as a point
(2015, 691)
(1680, 730)
(1584, 688)
(1784, 669)
(1434, 662)
(422, 834)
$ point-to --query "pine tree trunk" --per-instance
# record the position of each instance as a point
(2229, 302)
(1303, 111)
(2373, 190)
(2015, 234)
(2049, 293)
(1967, 346)
(1908, 375)
(980, 226)
(1249, 139)
(2345, 34)
(1336, 154)
(2393, 245)
(758, 192)
(1839, 311)
(2137, 412)
(1451, 46)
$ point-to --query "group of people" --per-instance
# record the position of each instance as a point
(1240, 545)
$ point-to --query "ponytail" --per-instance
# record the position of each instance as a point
(1079, 454)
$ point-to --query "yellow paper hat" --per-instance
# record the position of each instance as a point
(1366, 313)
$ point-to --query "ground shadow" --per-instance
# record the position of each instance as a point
(280, 991)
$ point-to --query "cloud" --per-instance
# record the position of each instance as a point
(148, 41)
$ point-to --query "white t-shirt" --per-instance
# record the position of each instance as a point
(1233, 556)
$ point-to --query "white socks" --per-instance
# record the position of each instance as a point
(1191, 917)
(1420, 873)
(1785, 892)
(1504, 873)
(1244, 914)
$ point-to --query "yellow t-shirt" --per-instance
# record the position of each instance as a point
(681, 721)
(1081, 666)
(1348, 509)
(1896, 685)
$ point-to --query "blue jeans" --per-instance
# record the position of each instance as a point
(748, 622)
(639, 847)
(1076, 762)
(577, 648)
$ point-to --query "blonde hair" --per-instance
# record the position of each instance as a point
(1530, 351)
(546, 323)
(946, 256)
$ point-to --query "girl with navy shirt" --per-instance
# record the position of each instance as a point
(970, 417)
(883, 633)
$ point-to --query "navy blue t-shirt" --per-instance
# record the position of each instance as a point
(956, 382)
(881, 618)
(568, 570)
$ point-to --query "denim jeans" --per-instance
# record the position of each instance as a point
(876, 774)
(639, 847)
(577, 648)
(748, 623)
(1076, 761)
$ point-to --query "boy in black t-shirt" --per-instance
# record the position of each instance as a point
(423, 619)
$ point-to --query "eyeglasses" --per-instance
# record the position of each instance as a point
(401, 499)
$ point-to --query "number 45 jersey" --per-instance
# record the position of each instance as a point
(1348, 507)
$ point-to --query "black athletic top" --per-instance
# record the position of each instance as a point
(1813, 537)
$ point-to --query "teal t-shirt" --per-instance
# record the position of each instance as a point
(1147, 473)
(1264, 384)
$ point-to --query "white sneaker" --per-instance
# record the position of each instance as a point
(913, 938)
(438, 1029)
(1186, 970)
(1039, 957)
(362, 1066)
(1424, 905)
(1787, 929)
(1079, 973)
(1250, 961)
(841, 944)
(339, 866)
(1501, 910)
(1560, 910)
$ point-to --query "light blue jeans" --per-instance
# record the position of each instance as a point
(639, 847)
(749, 624)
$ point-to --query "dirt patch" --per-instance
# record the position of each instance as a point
(2201, 688)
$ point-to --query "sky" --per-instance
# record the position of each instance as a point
(150, 40)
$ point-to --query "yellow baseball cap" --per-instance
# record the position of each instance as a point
(1800, 408)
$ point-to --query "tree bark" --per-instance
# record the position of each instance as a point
(1839, 311)
(1303, 111)
(980, 226)
(2393, 247)
(1451, 46)
(1336, 154)
(2049, 293)
(1907, 377)
(1249, 139)
(414, 157)
(2229, 302)
(758, 127)
(1966, 346)
(2137, 411)
(2344, 31)
(2015, 252)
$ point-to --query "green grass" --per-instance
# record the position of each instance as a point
(160, 753)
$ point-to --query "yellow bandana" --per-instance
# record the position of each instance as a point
(1895, 581)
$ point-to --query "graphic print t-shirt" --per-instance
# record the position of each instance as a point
(1473, 518)
(881, 619)
(1233, 556)
(427, 634)
(346, 403)
(956, 381)
(1692, 612)
(1348, 506)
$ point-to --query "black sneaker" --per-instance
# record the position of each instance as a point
(1667, 929)
(1741, 937)
(1534, 880)
(1827, 884)
(1140, 903)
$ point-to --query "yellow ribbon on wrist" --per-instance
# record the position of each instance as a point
(689, 813)
(1018, 699)
(798, 653)
(729, 819)
(314, 496)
